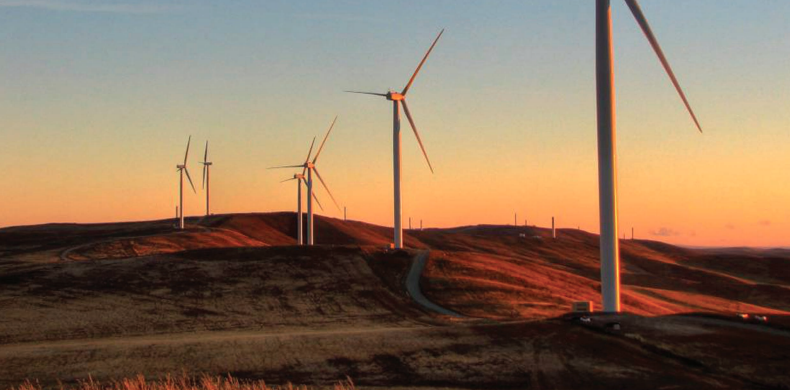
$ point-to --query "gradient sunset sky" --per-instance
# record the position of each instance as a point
(98, 98)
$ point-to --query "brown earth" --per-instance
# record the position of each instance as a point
(233, 294)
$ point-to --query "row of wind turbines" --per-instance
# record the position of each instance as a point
(607, 158)
(398, 99)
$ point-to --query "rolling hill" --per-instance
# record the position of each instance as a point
(233, 294)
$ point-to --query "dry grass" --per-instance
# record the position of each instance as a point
(183, 382)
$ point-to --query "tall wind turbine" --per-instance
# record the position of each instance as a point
(182, 168)
(207, 179)
(309, 167)
(396, 97)
(607, 157)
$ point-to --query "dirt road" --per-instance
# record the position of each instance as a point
(413, 286)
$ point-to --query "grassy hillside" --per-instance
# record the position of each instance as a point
(233, 294)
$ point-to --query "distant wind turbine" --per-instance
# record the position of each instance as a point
(607, 157)
(553, 229)
(300, 179)
(309, 167)
(207, 179)
(396, 97)
(182, 168)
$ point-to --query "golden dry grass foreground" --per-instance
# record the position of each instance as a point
(233, 295)
(182, 382)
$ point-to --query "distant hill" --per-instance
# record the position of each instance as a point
(487, 271)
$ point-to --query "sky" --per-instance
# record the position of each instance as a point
(98, 98)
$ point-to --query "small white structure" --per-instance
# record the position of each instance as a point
(582, 307)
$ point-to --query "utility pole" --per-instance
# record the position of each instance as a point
(553, 230)
(345, 216)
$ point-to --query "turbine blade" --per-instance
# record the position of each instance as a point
(320, 148)
(205, 155)
(205, 167)
(416, 133)
(406, 89)
(316, 201)
(326, 188)
(187, 152)
(368, 93)
(286, 166)
(309, 152)
(190, 180)
(283, 181)
(642, 21)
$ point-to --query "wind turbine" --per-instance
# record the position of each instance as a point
(607, 157)
(309, 167)
(182, 168)
(396, 97)
(299, 178)
(207, 178)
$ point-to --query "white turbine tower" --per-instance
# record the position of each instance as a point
(309, 167)
(182, 168)
(607, 158)
(207, 179)
(299, 230)
(396, 97)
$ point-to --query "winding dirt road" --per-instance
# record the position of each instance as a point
(413, 286)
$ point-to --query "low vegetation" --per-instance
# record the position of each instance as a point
(182, 382)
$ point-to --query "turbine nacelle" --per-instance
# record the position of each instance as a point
(395, 96)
